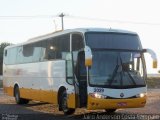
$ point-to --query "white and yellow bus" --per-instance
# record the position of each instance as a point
(89, 68)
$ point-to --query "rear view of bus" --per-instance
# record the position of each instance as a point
(116, 71)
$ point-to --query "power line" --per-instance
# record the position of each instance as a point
(114, 21)
(79, 17)
(26, 17)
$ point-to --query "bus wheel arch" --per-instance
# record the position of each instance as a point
(62, 101)
(60, 92)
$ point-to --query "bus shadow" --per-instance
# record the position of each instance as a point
(23, 112)
(80, 114)
(34, 104)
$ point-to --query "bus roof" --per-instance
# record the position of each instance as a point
(81, 30)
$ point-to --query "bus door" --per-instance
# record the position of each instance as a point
(79, 69)
(76, 75)
(81, 79)
(72, 93)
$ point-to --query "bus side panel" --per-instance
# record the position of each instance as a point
(71, 99)
(39, 95)
(8, 90)
(7, 82)
(37, 81)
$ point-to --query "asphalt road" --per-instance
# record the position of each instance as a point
(43, 111)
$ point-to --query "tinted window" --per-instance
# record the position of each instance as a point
(6, 57)
(77, 42)
(19, 58)
(36, 52)
(12, 56)
(114, 69)
(113, 41)
(58, 47)
(5, 52)
(27, 53)
(63, 46)
(44, 50)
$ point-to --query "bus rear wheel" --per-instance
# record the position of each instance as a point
(18, 99)
(63, 102)
(110, 110)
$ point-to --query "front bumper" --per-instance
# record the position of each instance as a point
(97, 103)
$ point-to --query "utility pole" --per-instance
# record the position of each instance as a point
(62, 15)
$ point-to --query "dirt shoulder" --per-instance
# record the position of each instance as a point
(39, 110)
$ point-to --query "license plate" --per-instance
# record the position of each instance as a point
(121, 104)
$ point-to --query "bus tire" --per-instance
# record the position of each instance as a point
(63, 102)
(18, 99)
(110, 110)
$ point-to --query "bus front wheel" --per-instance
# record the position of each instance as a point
(63, 102)
(18, 99)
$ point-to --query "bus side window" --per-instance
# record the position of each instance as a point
(77, 45)
(19, 58)
(51, 48)
(44, 51)
(69, 68)
(80, 69)
(77, 42)
(12, 55)
(5, 53)
(36, 52)
(6, 56)
(27, 53)
(63, 46)
(58, 47)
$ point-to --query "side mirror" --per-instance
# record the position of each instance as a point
(88, 56)
(153, 56)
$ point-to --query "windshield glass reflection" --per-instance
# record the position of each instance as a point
(118, 69)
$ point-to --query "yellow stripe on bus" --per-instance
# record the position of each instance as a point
(34, 94)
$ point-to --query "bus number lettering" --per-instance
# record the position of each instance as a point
(98, 90)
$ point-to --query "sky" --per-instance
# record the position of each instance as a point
(24, 19)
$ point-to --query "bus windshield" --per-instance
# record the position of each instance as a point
(117, 60)
(113, 41)
(114, 69)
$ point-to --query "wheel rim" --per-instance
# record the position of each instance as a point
(64, 104)
(17, 95)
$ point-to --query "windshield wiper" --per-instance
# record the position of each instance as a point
(130, 76)
(122, 72)
(125, 68)
(114, 72)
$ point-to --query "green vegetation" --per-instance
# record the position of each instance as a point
(1, 85)
(2, 46)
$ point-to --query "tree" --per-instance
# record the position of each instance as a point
(2, 46)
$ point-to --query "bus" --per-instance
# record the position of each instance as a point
(92, 68)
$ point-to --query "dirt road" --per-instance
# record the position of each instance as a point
(43, 111)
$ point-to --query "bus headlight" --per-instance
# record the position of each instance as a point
(96, 95)
(141, 95)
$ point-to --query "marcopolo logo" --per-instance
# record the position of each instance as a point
(121, 95)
